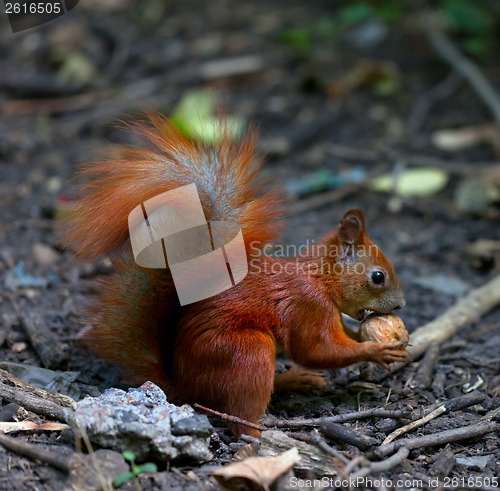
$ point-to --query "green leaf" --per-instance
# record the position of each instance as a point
(298, 38)
(122, 479)
(423, 181)
(468, 16)
(148, 467)
(390, 11)
(477, 45)
(195, 106)
(355, 13)
(128, 455)
(210, 130)
(193, 116)
(326, 28)
(387, 85)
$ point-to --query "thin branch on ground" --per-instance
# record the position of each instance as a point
(424, 103)
(466, 311)
(375, 412)
(322, 199)
(459, 167)
(34, 452)
(338, 432)
(80, 435)
(229, 417)
(384, 465)
(455, 404)
(39, 401)
(425, 371)
(414, 424)
(441, 438)
(447, 50)
(138, 89)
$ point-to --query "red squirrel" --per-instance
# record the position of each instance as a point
(220, 352)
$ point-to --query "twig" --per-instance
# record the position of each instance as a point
(455, 404)
(337, 431)
(452, 166)
(230, 418)
(355, 462)
(424, 103)
(441, 438)
(50, 351)
(384, 465)
(423, 377)
(33, 452)
(414, 424)
(138, 89)
(322, 199)
(484, 331)
(467, 310)
(490, 415)
(80, 435)
(39, 401)
(375, 412)
(463, 65)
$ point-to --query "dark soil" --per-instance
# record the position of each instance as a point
(148, 55)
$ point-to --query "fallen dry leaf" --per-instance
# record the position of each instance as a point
(468, 136)
(7, 427)
(423, 181)
(262, 471)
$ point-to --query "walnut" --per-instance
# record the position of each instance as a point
(384, 329)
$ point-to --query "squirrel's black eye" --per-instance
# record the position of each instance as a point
(378, 277)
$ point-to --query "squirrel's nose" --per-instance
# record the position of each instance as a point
(401, 304)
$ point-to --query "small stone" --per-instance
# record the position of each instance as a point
(44, 255)
(143, 421)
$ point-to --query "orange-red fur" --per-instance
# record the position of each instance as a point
(220, 351)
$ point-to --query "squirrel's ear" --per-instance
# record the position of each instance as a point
(352, 226)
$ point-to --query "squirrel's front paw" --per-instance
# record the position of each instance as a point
(386, 353)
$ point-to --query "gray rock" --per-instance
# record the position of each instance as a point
(143, 421)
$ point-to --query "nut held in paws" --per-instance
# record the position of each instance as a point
(384, 328)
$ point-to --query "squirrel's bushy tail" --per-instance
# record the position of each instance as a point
(224, 176)
(135, 319)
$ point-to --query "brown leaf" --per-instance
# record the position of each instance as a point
(262, 471)
(52, 426)
(7, 427)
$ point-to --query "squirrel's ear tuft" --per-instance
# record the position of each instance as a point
(352, 226)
